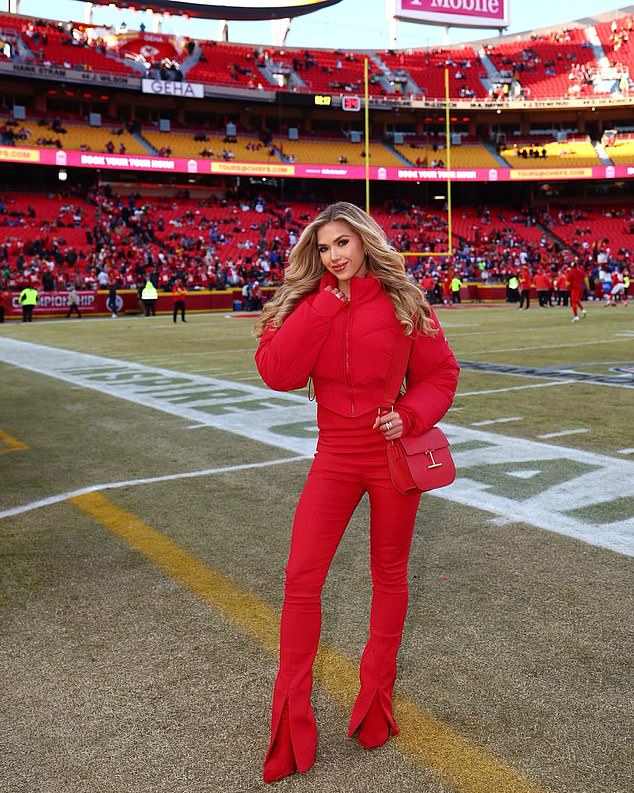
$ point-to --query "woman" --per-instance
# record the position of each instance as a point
(344, 303)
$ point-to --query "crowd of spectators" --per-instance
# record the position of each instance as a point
(530, 152)
(620, 32)
(581, 76)
(207, 244)
(222, 243)
(46, 40)
(55, 43)
(12, 133)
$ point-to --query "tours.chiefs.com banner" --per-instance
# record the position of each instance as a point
(455, 13)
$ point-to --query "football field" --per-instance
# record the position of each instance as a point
(148, 485)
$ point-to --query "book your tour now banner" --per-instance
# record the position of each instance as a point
(157, 164)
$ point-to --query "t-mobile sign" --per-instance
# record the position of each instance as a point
(457, 13)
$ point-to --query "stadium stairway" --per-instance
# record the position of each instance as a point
(560, 241)
(603, 85)
(272, 71)
(391, 78)
(388, 145)
(191, 60)
(490, 147)
(603, 63)
(602, 153)
(144, 142)
(493, 76)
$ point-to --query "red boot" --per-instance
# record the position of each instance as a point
(375, 728)
(372, 712)
(293, 728)
(280, 759)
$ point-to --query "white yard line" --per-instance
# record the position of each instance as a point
(561, 433)
(495, 421)
(512, 388)
(47, 502)
(589, 343)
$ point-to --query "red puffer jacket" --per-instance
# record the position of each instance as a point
(347, 348)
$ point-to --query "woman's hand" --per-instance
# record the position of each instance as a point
(390, 424)
(336, 292)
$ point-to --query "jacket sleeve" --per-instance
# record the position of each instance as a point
(432, 378)
(286, 355)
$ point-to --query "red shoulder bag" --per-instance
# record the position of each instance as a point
(416, 462)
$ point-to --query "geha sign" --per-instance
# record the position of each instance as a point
(457, 13)
(169, 88)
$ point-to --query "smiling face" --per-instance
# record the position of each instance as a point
(341, 252)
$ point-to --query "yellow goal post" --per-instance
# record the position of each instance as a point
(411, 254)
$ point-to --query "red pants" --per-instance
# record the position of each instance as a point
(350, 461)
(575, 300)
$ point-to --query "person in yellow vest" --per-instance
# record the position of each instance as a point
(513, 289)
(626, 284)
(28, 300)
(149, 296)
(456, 283)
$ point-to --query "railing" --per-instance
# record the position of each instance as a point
(413, 101)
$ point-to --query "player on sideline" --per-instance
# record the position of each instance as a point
(577, 279)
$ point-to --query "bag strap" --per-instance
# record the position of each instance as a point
(398, 369)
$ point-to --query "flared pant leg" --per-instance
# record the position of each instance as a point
(330, 496)
(391, 528)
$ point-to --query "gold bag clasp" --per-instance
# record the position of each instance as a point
(433, 464)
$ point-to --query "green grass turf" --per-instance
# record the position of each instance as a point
(118, 679)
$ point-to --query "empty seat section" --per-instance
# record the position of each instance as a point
(227, 64)
(339, 152)
(554, 65)
(571, 153)
(427, 69)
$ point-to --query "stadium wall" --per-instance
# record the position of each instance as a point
(93, 303)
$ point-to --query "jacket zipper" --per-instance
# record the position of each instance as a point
(347, 358)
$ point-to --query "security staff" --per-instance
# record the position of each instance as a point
(149, 296)
(456, 284)
(28, 300)
(513, 289)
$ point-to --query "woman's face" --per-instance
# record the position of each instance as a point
(341, 252)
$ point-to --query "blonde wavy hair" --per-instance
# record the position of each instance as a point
(305, 269)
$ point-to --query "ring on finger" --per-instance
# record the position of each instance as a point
(389, 425)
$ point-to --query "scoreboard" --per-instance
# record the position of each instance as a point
(351, 103)
(347, 102)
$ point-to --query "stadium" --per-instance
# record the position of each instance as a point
(150, 477)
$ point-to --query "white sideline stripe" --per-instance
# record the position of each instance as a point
(564, 432)
(626, 451)
(47, 502)
(495, 421)
(514, 388)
